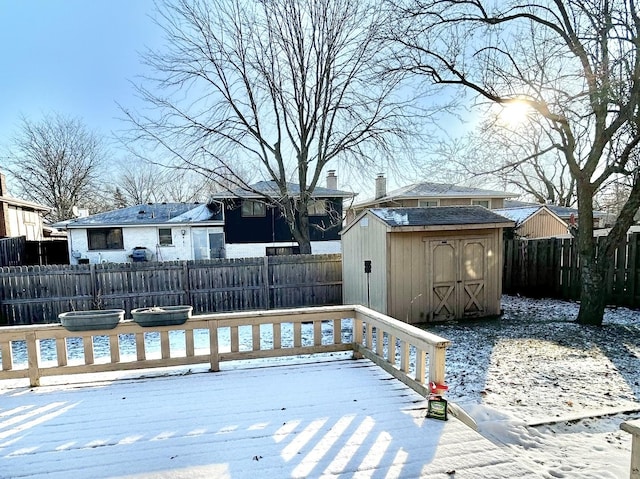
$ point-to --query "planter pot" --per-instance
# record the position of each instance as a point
(91, 320)
(161, 316)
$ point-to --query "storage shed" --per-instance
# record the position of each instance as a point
(535, 221)
(425, 264)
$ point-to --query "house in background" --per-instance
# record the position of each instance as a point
(429, 194)
(601, 219)
(148, 232)
(19, 217)
(536, 221)
(255, 227)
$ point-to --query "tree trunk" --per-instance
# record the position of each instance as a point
(592, 291)
(592, 294)
(302, 225)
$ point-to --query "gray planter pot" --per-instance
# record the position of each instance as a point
(91, 320)
(162, 315)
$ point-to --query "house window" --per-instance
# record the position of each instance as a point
(425, 203)
(105, 238)
(317, 207)
(253, 208)
(484, 203)
(164, 237)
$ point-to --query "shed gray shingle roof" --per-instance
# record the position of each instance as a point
(156, 213)
(438, 216)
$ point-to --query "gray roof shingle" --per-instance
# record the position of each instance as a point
(155, 213)
(428, 190)
(270, 188)
(438, 216)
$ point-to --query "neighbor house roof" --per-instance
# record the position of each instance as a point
(150, 214)
(523, 213)
(24, 204)
(412, 218)
(437, 190)
(563, 212)
(270, 188)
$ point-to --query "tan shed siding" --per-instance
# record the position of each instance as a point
(408, 268)
(401, 279)
(542, 225)
(493, 284)
(497, 203)
(362, 243)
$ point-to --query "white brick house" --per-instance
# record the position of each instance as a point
(151, 232)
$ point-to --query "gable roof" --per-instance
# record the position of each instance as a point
(435, 217)
(563, 212)
(522, 214)
(270, 188)
(428, 190)
(150, 214)
(29, 205)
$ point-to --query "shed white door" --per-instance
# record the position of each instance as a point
(458, 270)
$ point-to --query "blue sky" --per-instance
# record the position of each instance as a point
(73, 57)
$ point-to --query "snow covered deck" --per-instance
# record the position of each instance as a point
(341, 418)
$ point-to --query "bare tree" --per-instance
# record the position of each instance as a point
(56, 161)
(576, 64)
(280, 87)
(516, 157)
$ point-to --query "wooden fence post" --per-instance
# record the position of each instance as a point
(266, 286)
(186, 286)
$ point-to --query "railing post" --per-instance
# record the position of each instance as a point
(633, 427)
(437, 356)
(33, 358)
(357, 336)
(214, 353)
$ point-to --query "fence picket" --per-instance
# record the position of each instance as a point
(38, 294)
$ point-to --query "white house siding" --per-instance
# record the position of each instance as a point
(146, 236)
(25, 223)
(252, 250)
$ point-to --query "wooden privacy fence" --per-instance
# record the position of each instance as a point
(13, 251)
(18, 252)
(37, 294)
(550, 268)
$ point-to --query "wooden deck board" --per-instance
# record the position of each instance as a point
(334, 419)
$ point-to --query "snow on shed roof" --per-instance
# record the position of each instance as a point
(438, 216)
(519, 215)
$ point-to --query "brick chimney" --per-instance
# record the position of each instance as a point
(381, 186)
(332, 180)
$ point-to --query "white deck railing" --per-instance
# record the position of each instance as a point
(401, 349)
(633, 427)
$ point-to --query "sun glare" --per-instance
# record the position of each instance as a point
(514, 113)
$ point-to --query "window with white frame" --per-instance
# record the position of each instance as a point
(105, 238)
(165, 237)
(485, 203)
(426, 203)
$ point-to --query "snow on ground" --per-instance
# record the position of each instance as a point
(547, 389)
